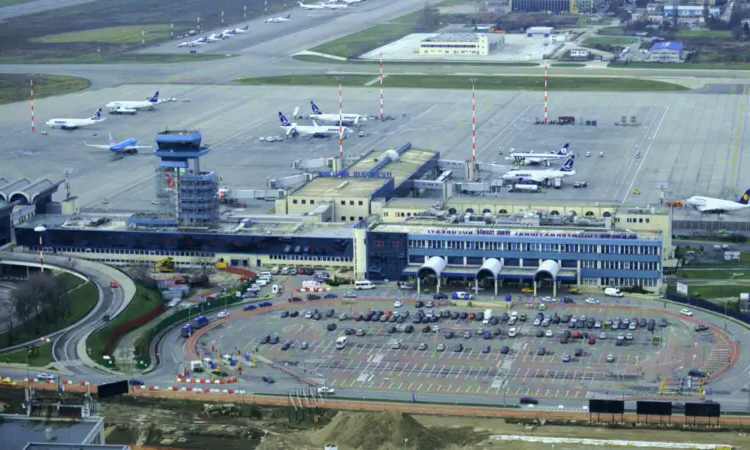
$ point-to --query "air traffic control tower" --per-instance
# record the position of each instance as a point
(187, 196)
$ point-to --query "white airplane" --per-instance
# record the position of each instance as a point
(346, 119)
(539, 176)
(527, 159)
(352, 1)
(126, 146)
(142, 104)
(191, 43)
(278, 19)
(292, 129)
(717, 205)
(216, 37)
(334, 6)
(72, 124)
(311, 6)
(242, 30)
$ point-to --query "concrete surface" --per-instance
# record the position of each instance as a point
(37, 6)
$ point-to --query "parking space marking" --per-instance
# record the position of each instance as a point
(412, 370)
(420, 372)
(385, 368)
(468, 372)
(393, 369)
(419, 388)
(567, 393)
(459, 372)
(389, 386)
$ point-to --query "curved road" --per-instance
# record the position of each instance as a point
(64, 348)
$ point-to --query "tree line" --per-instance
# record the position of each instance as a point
(43, 300)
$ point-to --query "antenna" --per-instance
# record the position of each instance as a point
(67, 173)
(31, 86)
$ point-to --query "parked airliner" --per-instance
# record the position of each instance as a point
(717, 205)
(292, 129)
(346, 119)
(527, 159)
(137, 104)
(72, 124)
(539, 176)
(278, 19)
(126, 146)
(311, 6)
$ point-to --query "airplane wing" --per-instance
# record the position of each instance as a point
(106, 147)
(140, 146)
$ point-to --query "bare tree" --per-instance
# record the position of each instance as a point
(141, 273)
(206, 268)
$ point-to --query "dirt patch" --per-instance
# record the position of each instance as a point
(374, 430)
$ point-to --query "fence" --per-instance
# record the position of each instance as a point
(187, 313)
(128, 326)
(701, 303)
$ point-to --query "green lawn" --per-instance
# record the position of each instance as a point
(483, 82)
(112, 35)
(610, 31)
(324, 60)
(680, 66)
(609, 40)
(41, 356)
(144, 301)
(15, 87)
(714, 274)
(371, 38)
(717, 290)
(118, 58)
(85, 297)
(704, 33)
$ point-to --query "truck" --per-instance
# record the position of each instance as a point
(524, 188)
(187, 330)
(487, 317)
(164, 265)
(613, 292)
(196, 366)
(557, 183)
(200, 322)
(119, 110)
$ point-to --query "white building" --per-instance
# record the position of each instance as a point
(477, 44)
(539, 31)
(578, 53)
(666, 52)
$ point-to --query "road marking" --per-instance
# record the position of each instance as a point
(389, 386)
(428, 387)
(393, 368)
(405, 366)
(409, 388)
(448, 389)
(385, 368)
(419, 388)
(459, 372)
(420, 372)
(567, 393)
(468, 372)
(546, 394)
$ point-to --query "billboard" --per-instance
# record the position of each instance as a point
(702, 410)
(112, 389)
(653, 408)
(682, 289)
(607, 406)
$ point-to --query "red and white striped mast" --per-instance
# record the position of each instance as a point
(473, 129)
(546, 90)
(341, 119)
(31, 85)
(381, 87)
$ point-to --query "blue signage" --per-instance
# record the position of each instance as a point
(508, 298)
(552, 234)
(373, 174)
(340, 173)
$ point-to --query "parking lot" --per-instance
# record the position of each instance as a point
(479, 367)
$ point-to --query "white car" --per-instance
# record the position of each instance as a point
(512, 332)
(537, 322)
(326, 391)
(629, 336)
(223, 315)
(308, 315)
(45, 376)
(549, 333)
(610, 357)
(686, 312)
(398, 304)
(514, 314)
(592, 301)
(261, 282)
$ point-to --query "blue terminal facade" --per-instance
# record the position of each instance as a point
(584, 258)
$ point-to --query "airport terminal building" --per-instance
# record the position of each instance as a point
(389, 215)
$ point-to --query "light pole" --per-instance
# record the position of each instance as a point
(473, 129)
(341, 119)
(41, 229)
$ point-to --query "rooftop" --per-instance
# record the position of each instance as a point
(17, 431)
(269, 225)
(438, 229)
(414, 203)
(25, 189)
(667, 45)
(335, 187)
(455, 37)
(408, 162)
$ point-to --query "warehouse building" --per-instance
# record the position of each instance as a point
(549, 6)
(477, 44)
(539, 31)
(666, 52)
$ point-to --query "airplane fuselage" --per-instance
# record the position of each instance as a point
(536, 175)
(316, 131)
(345, 118)
(133, 105)
(714, 205)
(72, 124)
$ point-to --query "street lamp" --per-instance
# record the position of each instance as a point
(40, 229)
(341, 118)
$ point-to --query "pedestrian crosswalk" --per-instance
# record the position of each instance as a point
(71, 363)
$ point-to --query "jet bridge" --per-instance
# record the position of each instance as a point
(290, 181)
(312, 164)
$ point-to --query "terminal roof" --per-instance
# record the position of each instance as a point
(407, 163)
(23, 188)
(454, 37)
(17, 431)
(335, 187)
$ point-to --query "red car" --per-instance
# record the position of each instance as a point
(576, 335)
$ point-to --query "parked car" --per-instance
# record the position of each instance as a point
(686, 312)
(700, 327)
(269, 380)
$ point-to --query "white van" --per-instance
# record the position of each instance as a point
(612, 292)
(405, 285)
(265, 274)
(364, 284)
(342, 342)
(487, 317)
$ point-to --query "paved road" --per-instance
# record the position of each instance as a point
(37, 6)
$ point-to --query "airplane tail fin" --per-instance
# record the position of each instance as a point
(745, 198)
(97, 115)
(568, 166)
(111, 139)
(315, 108)
(289, 16)
(564, 150)
(246, 27)
(283, 120)
(155, 98)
